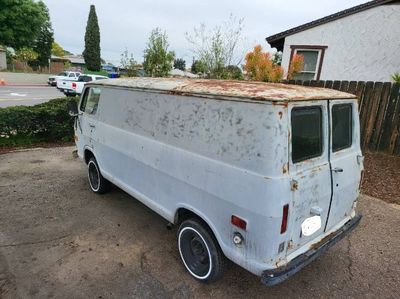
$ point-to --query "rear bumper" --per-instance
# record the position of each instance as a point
(70, 91)
(277, 275)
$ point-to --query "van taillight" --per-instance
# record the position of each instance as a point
(284, 218)
(239, 222)
(73, 85)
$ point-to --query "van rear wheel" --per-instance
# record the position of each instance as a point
(97, 182)
(199, 251)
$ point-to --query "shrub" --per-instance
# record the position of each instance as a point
(396, 77)
(296, 66)
(260, 67)
(47, 122)
(198, 67)
(233, 72)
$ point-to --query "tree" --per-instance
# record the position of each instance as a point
(157, 59)
(260, 67)
(277, 58)
(180, 64)
(21, 22)
(57, 50)
(43, 43)
(128, 63)
(198, 67)
(91, 54)
(216, 48)
(26, 55)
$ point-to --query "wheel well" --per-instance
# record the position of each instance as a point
(184, 214)
(87, 155)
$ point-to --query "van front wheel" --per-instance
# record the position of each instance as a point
(199, 251)
(97, 182)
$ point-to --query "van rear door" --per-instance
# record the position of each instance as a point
(310, 172)
(346, 159)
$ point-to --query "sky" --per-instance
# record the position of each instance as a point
(126, 24)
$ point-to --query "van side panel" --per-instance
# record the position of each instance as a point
(217, 158)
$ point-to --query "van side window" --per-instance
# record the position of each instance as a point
(306, 133)
(342, 126)
(90, 100)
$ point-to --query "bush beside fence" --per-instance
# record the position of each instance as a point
(379, 108)
(26, 125)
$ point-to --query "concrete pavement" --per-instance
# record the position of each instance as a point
(60, 240)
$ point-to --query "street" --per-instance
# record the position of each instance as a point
(27, 95)
(58, 239)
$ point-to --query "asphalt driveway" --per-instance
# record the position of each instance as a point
(58, 239)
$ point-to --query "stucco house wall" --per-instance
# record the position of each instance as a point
(364, 46)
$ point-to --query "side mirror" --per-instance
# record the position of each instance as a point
(72, 108)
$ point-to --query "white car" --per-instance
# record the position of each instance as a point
(266, 175)
(72, 88)
(67, 75)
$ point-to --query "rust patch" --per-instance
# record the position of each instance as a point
(285, 168)
(250, 90)
(294, 185)
(290, 245)
(323, 241)
(280, 114)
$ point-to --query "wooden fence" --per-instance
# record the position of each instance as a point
(379, 105)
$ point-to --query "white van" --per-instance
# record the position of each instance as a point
(266, 175)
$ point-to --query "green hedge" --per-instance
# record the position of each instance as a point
(26, 125)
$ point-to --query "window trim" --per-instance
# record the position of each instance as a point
(351, 128)
(321, 55)
(84, 100)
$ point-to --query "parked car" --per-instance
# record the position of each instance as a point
(266, 175)
(52, 80)
(72, 88)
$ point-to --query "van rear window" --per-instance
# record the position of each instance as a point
(342, 127)
(306, 133)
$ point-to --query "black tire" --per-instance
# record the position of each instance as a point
(200, 251)
(97, 182)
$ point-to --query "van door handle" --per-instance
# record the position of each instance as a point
(337, 169)
(92, 126)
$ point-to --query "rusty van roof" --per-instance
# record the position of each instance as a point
(250, 90)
